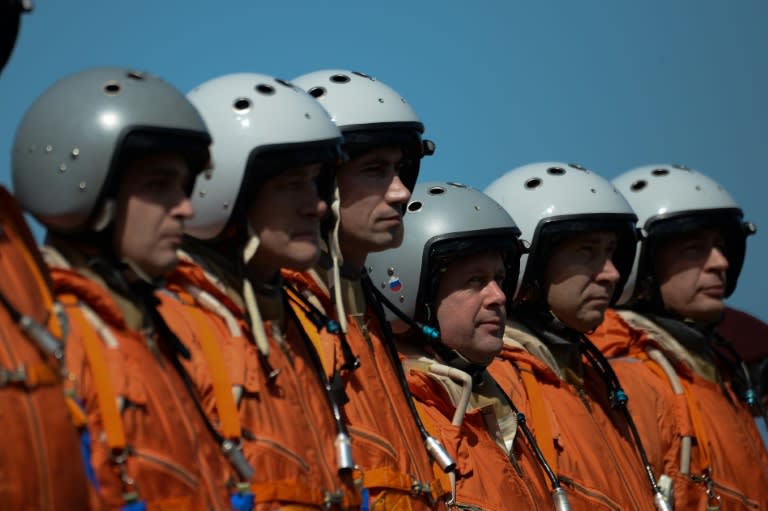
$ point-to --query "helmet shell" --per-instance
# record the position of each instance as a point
(673, 199)
(369, 114)
(552, 199)
(252, 116)
(68, 146)
(445, 221)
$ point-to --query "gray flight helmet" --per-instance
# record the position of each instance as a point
(671, 200)
(445, 221)
(74, 139)
(370, 114)
(550, 200)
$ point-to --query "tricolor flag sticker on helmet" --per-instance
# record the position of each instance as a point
(394, 284)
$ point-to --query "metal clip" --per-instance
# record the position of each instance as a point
(335, 498)
(7, 376)
(234, 453)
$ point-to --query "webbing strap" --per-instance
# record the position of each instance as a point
(540, 415)
(310, 329)
(29, 375)
(696, 422)
(105, 393)
(222, 385)
(288, 492)
(173, 504)
(33, 265)
(702, 440)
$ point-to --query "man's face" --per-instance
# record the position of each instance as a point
(152, 205)
(372, 200)
(580, 278)
(469, 306)
(285, 213)
(691, 272)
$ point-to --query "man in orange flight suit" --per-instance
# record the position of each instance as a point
(382, 136)
(460, 257)
(275, 150)
(40, 463)
(581, 235)
(117, 151)
(689, 261)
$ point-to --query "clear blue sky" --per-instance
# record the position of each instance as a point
(608, 84)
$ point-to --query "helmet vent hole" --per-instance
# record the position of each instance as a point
(284, 83)
(265, 89)
(415, 206)
(381, 100)
(358, 73)
(532, 183)
(340, 78)
(457, 185)
(436, 190)
(577, 166)
(135, 75)
(593, 190)
(112, 88)
(638, 185)
(241, 105)
(698, 188)
(316, 92)
(555, 171)
(660, 172)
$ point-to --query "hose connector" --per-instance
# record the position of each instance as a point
(662, 504)
(560, 499)
(344, 460)
(439, 454)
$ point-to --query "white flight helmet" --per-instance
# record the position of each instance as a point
(445, 221)
(369, 114)
(550, 200)
(78, 136)
(261, 126)
(671, 200)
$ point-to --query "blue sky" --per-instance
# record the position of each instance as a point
(608, 84)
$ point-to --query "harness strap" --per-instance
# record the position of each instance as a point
(172, 504)
(693, 421)
(289, 492)
(539, 414)
(105, 392)
(222, 386)
(309, 327)
(29, 376)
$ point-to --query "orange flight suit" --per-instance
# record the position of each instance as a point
(40, 463)
(287, 429)
(494, 470)
(585, 441)
(728, 457)
(147, 439)
(396, 470)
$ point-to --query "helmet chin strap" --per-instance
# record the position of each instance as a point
(337, 260)
(105, 217)
(249, 295)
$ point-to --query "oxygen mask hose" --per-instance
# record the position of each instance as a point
(343, 443)
(618, 399)
(559, 495)
(433, 446)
